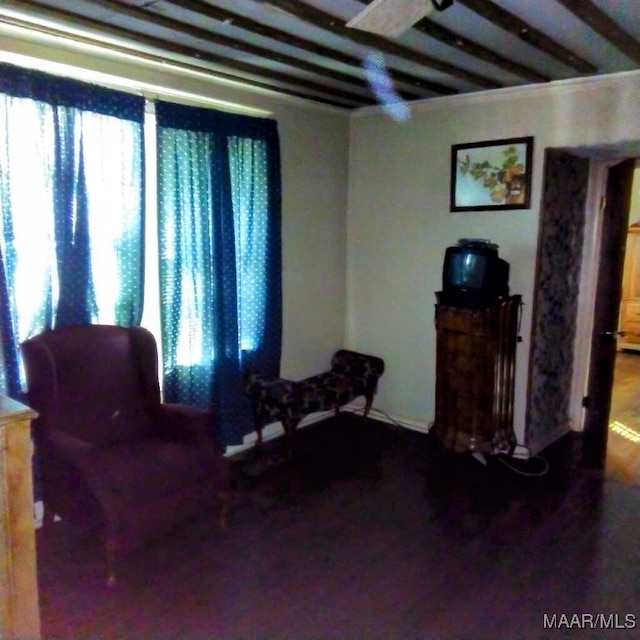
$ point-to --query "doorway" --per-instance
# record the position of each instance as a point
(623, 450)
(613, 227)
(603, 246)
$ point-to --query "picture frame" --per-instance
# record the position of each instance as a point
(493, 175)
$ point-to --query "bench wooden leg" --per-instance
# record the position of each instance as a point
(259, 425)
(289, 426)
(368, 404)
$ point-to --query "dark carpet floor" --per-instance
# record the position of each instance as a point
(370, 531)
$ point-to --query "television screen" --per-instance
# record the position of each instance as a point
(467, 270)
(473, 276)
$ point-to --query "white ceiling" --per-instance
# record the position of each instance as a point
(315, 56)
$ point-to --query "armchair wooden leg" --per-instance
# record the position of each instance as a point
(111, 562)
(224, 508)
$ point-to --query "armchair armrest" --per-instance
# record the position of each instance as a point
(66, 446)
(185, 423)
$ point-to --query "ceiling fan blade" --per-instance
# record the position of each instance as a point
(390, 18)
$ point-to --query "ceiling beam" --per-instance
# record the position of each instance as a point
(336, 25)
(340, 98)
(434, 30)
(529, 34)
(252, 26)
(193, 31)
(438, 32)
(600, 22)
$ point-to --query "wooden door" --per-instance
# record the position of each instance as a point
(606, 313)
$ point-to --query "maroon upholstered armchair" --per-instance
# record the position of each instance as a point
(111, 454)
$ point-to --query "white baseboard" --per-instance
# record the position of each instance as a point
(38, 513)
(401, 421)
(537, 446)
(521, 451)
(275, 429)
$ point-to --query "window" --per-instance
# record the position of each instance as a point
(72, 240)
(72, 194)
(219, 255)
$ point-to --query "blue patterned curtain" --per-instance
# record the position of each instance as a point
(219, 199)
(72, 203)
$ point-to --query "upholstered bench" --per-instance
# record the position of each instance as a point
(351, 375)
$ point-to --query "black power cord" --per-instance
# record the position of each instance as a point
(509, 462)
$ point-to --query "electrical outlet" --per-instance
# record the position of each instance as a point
(38, 513)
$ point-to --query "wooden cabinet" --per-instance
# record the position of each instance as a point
(630, 304)
(19, 609)
(475, 374)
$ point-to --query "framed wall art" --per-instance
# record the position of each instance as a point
(492, 175)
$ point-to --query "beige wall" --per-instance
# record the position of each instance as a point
(400, 225)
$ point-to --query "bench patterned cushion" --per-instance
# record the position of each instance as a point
(351, 375)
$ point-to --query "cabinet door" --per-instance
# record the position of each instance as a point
(631, 325)
(630, 307)
(631, 282)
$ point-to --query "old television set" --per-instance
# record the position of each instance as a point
(473, 275)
